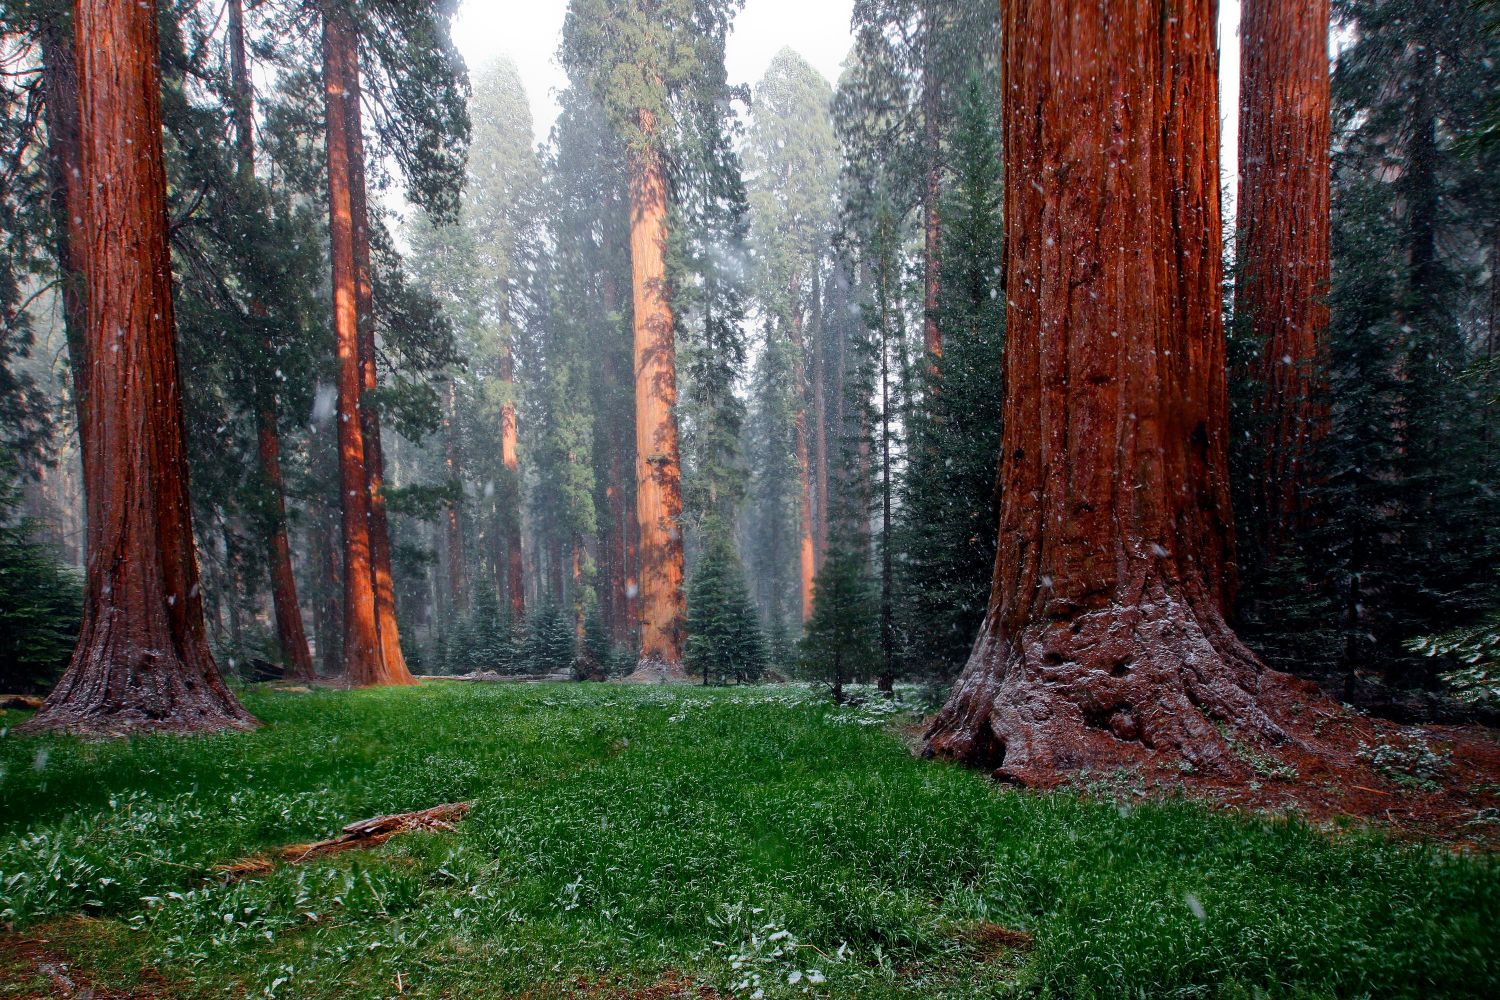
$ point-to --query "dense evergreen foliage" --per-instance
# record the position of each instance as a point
(1401, 542)
(725, 642)
(949, 505)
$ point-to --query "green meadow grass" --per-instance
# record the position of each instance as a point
(757, 841)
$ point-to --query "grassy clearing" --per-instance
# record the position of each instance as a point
(756, 841)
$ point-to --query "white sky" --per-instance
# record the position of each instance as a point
(530, 32)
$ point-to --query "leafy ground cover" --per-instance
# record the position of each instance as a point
(682, 842)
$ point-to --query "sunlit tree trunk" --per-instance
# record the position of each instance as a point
(1105, 642)
(1282, 283)
(363, 664)
(663, 605)
(290, 631)
(387, 629)
(142, 661)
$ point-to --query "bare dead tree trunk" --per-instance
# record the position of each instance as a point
(1282, 283)
(658, 465)
(1105, 642)
(142, 662)
(387, 628)
(363, 664)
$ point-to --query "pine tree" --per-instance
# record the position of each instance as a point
(725, 641)
(842, 641)
(949, 506)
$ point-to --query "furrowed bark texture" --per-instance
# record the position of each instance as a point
(142, 662)
(392, 660)
(1282, 284)
(362, 658)
(1105, 642)
(290, 631)
(663, 605)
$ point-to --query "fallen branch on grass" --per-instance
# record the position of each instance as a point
(365, 833)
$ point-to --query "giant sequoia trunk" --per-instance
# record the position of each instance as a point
(290, 631)
(142, 661)
(663, 605)
(1105, 642)
(363, 664)
(392, 659)
(1283, 240)
(453, 537)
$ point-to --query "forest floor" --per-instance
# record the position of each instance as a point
(659, 843)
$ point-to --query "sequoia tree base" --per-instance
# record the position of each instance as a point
(1152, 682)
(118, 685)
(651, 670)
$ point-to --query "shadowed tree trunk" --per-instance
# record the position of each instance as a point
(1283, 275)
(806, 557)
(453, 535)
(64, 152)
(387, 629)
(1105, 642)
(663, 605)
(328, 616)
(820, 427)
(290, 631)
(142, 662)
(363, 664)
(932, 228)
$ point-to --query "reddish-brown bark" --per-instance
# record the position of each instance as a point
(663, 605)
(1282, 284)
(290, 631)
(387, 629)
(142, 662)
(363, 664)
(1106, 642)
